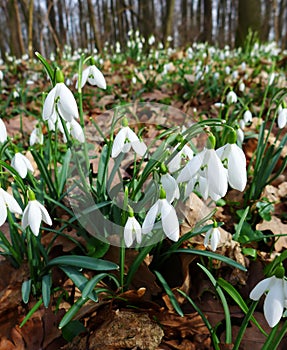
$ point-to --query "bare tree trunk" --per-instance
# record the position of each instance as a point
(62, 29)
(169, 20)
(207, 21)
(249, 18)
(14, 22)
(30, 29)
(184, 26)
(94, 25)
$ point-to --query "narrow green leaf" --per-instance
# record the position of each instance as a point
(83, 262)
(46, 65)
(26, 290)
(228, 336)
(212, 256)
(170, 294)
(94, 281)
(30, 313)
(72, 312)
(79, 280)
(240, 224)
(72, 329)
(46, 289)
(63, 173)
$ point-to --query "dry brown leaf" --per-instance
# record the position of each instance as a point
(276, 226)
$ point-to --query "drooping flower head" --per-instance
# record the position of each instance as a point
(212, 236)
(205, 173)
(132, 230)
(168, 217)
(22, 164)
(275, 301)
(234, 159)
(60, 101)
(127, 139)
(7, 201)
(34, 213)
(93, 76)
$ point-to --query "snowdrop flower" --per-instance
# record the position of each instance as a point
(125, 140)
(3, 131)
(247, 116)
(235, 161)
(36, 137)
(212, 236)
(227, 70)
(275, 300)
(60, 99)
(21, 164)
(175, 163)
(231, 97)
(1, 75)
(241, 86)
(282, 118)
(151, 40)
(240, 135)
(235, 75)
(219, 105)
(241, 124)
(7, 200)
(134, 80)
(132, 231)
(33, 214)
(272, 78)
(168, 218)
(15, 94)
(93, 76)
(170, 186)
(206, 167)
(76, 131)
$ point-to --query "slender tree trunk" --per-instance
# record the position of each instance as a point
(94, 25)
(207, 21)
(30, 29)
(169, 20)
(249, 18)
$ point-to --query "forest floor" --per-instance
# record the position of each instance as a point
(143, 316)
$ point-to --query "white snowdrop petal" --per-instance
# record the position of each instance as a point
(170, 186)
(49, 104)
(274, 303)
(169, 221)
(216, 174)
(77, 131)
(67, 104)
(139, 147)
(19, 165)
(128, 233)
(3, 210)
(282, 118)
(237, 176)
(12, 204)
(215, 238)
(191, 168)
(119, 142)
(3, 132)
(261, 288)
(97, 77)
(34, 217)
(85, 74)
(150, 218)
(44, 214)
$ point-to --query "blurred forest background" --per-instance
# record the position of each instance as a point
(49, 25)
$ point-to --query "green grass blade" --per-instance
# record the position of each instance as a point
(221, 295)
(169, 293)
